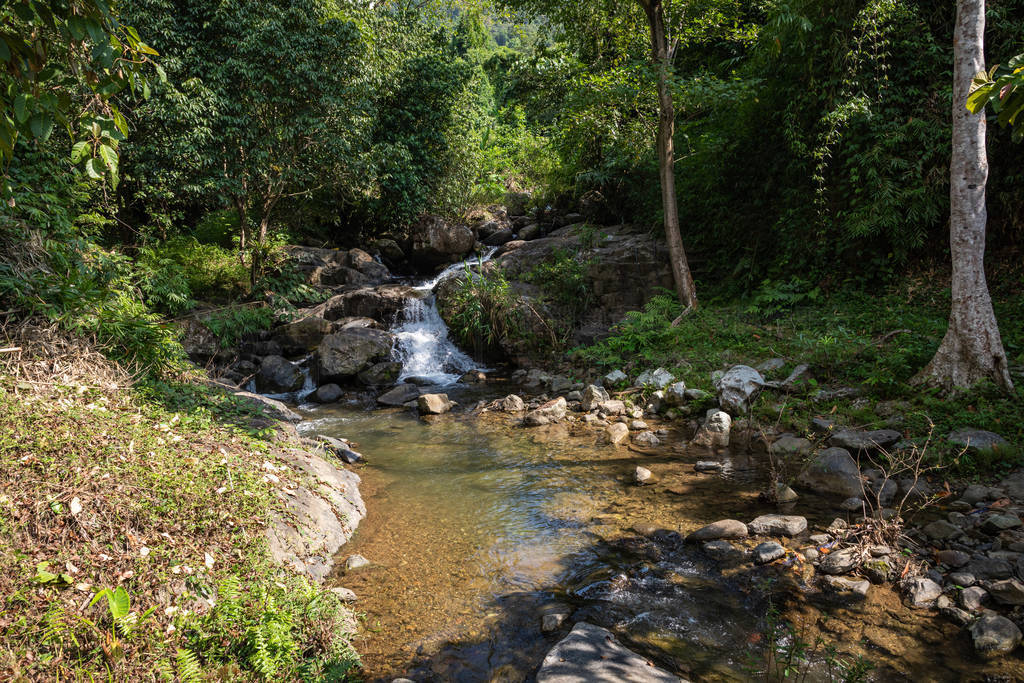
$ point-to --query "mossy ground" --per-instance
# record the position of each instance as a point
(161, 489)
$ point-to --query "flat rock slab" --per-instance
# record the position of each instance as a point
(858, 440)
(723, 528)
(778, 525)
(591, 654)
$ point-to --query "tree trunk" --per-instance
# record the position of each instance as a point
(661, 54)
(243, 225)
(972, 349)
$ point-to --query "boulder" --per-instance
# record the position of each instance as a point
(529, 232)
(517, 203)
(973, 597)
(499, 237)
(675, 394)
(276, 409)
(552, 411)
(921, 591)
(389, 250)
(642, 475)
(857, 440)
(590, 654)
(328, 393)
(714, 433)
(833, 470)
(840, 562)
(975, 440)
(614, 378)
(994, 635)
(738, 389)
(646, 438)
(659, 378)
(512, 404)
(433, 404)
(616, 433)
(337, 276)
(789, 446)
(612, 407)
(344, 354)
(302, 335)
(768, 552)
(1007, 591)
(778, 525)
(381, 374)
(400, 395)
(380, 303)
(277, 376)
(723, 528)
(436, 241)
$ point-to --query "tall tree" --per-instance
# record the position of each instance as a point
(972, 349)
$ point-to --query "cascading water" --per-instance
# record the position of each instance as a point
(423, 345)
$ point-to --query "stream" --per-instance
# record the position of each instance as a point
(477, 528)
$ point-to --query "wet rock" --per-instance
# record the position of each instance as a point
(380, 303)
(972, 598)
(857, 440)
(499, 237)
(277, 376)
(921, 591)
(637, 425)
(328, 393)
(714, 433)
(1007, 591)
(721, 550)
(1000, 522)
(590, 654)
(961, 579)
(593, 397)
(642, 475)
(708, 466)
(433, 404)
(616, 433)
(339, 448)
(552, 411)
(778, 525)
(784, 494)
(511, 404)
(344, 594)
(789, 446)
(976, 440)
(840, 562)
(473, 377)
(738, 388)
(833, 470)
(659, 378)
(675, 394)
(549, 623)
(380, 374)
(995, 635)
(344, 354)
(648, 439)
(724, 528)
(353, 562)
(941, 530)
(615, 378)
(768, 552)
(846, 587)
(302, 335)
(400, 395)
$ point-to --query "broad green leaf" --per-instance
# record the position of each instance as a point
(5, 52)
(20, 108)
(93, 169)
(120, 603)
(41, 126)
(109, 158)
(79, 151)
(979, 98)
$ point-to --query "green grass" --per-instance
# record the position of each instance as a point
(873, 342)
(159, 491)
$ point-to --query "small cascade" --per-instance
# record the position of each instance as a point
(424, 346)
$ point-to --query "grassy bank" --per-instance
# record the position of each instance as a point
(133, 521)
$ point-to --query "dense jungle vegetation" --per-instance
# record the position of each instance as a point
(155, 157)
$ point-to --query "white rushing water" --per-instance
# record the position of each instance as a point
(423, 344)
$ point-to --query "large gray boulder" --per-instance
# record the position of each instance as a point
(738, 389)
(380, 303)
(977, 440)
(345, 354)
(436, 241)
(381, 374)
(833, 470)
(857, 440)
(591, 654)
(302, 335)
(400, 395)
(277, 376)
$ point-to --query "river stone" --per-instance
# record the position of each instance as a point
(723, 528)
(344, 354)
(381, 374)
(612, 407)
(738, 388)
(659, 378)
(941, 530)
(339, 448)
(768, 552)
(859, 440)
(995, 635)
(614, 378)
(845, 586)
(549, 623)
(976, 440)
(833, 470)
(852, 504)
(344, 594)
(953, 558)
(552, 411)
(721, 550)
(708, 466)
(646, 438)
(784, 494)
(433, 404)
(278, 376)
(436, 241)
(559, 384)
(616, 433)
(714, 433)
(512, 404)
(473, 377)
(1000, 522)
(593, 397)
(675, 394)
(788, 446)
(972, 598)
(499, 237)
(642, 475)
(921, 591)
(988, 568)
(400, 395)
(1007, 591)
(638, 426)
(962, 579)
(591, 654)
(778, 525)
(353, 562)
(840, 562)
(975, 493)
(328, 393)
(1013, 485)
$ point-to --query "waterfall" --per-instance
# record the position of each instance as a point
(423, 345)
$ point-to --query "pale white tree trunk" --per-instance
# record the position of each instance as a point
(972, 349)
(661, 53)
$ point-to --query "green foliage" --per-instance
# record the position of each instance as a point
(482, 310)
(163, 282)
(217, 228)
(774, 298)
(1002, 88)
(563, 285)
(233, 324)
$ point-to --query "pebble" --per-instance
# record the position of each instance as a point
(768, 552)
(355, 562)
(708, 466)
(344, 594)
(922, 591)
(553, 622)
(972, 598)
(642, 475)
